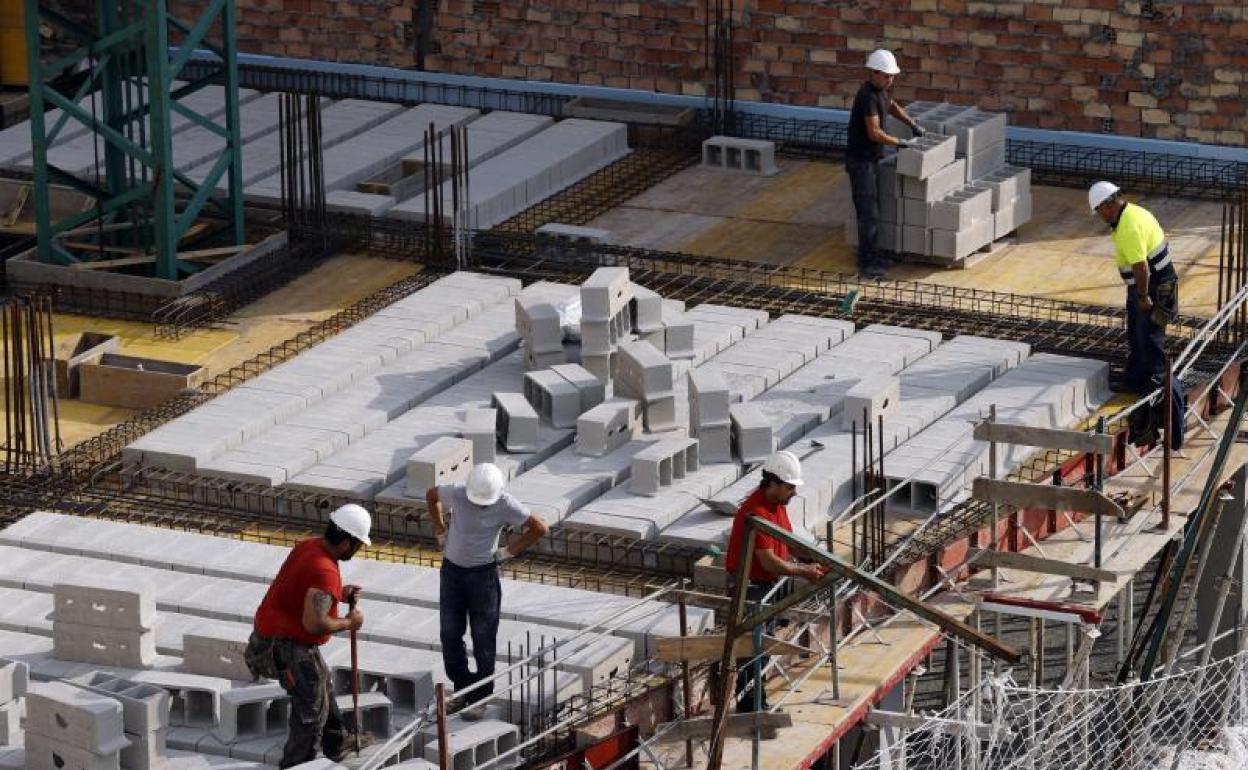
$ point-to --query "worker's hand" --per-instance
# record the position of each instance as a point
(918, 131)
(1145, 304)
(811, 572)
(441, 536)
(904, 143)
(351, 593)
(502, 553)
(355, 619)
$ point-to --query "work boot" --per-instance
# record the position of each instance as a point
(349, 746)
(872, 272)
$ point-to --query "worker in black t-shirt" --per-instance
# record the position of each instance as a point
(865, 148)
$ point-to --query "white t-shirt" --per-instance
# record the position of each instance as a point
(472, 530)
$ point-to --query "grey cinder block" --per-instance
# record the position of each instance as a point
(959, 244)
(751, 433)
(375, 710)
(534, 361)
(10, 724)
(916, 240)
(444, 460)
(714, 443)
(983, 162)
(105, 646)
(597, 337)
(598, 365)
(590, 387)
(554, 398)
(960, 209)
(605, 293)
(539, 324)
(661, 464)
(144, 707)
(678, 333)
(936, 186)
(109, 606)
(977, 129)
(1007, 183)
(479, 426)
(44, 753)
(74, 716)
(708, 397)
(647, 310)
(869, 399)
(916, 213)
(219, 654)
(751, 156)
(643, 372)
(926, 155)
(252, 712)
(14, 679)
(660, 413)
(1012, 216)
(608, 426)
(518, 422)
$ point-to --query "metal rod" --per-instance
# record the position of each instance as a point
(444, 747)
(1166, 452)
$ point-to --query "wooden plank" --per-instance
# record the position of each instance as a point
(109, 264)
(201, 255)
(675, 649)
(1024, 495)
(1011, 560)
(879, 718)
(1045, 438)
(699, 728)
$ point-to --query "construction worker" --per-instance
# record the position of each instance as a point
(782, 475)
(297, 615)
(1143, 257)
(470, 590)
(866, 142)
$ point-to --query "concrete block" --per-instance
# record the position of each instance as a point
(708, 397)
(375, 710)
(869, 399)
(534, 361)
(14, 679)
(592, 390)
(75, 717)
(10, 724)
(1007, 183)
(252, 712)
(218, 654)
(1012, 216)
(959, 244)
(104, 646)
(977, 130)
(926, 155)
(647, 311)
(659, 413)
(751, 433)
(195, 701)
(916, 240)
(605, 293)
(45, 753)
(714, 442)
(962, 208)
(144, 707)
(678, 333)
(598, 365)
(984, 162)
(407, 688)
(887, 182)
(916, 213)
(608, 426)
(892, 209)
(105, 605)
(554, 236)
(597, 337)
(539, 324)
(445, 460)
(518, 422)
(751, 156)
(145, 752)
(554, 398)
(936, 186)
(479, 426)
(643, 372)
(661, 464)
(477, 744)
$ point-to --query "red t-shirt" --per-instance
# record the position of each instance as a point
(309, 565)
(757, 505)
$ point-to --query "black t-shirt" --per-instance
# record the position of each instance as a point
(869, 101)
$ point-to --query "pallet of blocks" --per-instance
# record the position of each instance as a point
(950, 195)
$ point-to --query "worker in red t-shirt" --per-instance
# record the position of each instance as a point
(782, 475)
(298, 615)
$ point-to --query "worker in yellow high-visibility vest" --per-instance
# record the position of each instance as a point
(1143, 257)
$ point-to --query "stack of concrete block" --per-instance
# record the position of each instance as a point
(251, 712)
(518, 422)
(14, 679)
(647, 314)
(66, 725)
(645, 374)
(144, 716)
(560, 240)
(662, 464)
(476, 744)
(608, 426)
(111, 626)
(446, 460)
(541, 330)
(554, 398)
(710, 419)
(950, 193)
(751, 433)
(606, 318)
(750, 156)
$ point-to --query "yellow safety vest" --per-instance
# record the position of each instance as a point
(1138, 237)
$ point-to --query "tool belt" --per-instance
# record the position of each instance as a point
(261, 657)
(1165, 303)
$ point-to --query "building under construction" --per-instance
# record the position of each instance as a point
(243, 290)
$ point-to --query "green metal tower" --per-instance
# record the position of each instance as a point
(136, 52)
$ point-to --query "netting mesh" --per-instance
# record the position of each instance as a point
(1192, 720)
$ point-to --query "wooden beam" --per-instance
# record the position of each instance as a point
(109, 264)
(1045, 438)
(204, 255)
(699, 728)
(879, 718)
(674, 649)
(1024, 495)
(1011, 560)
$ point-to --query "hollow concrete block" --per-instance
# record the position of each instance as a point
(14, 679)
(144, 707)
(677, 333)
(538, 323)
(659, 414)
(598, 365)
(375, 710)
(608, 426)
(1007, 183)
(518, 422)
(74, 716)
(869, 399)
(591, 388)
(145, 752)
(554, 398)
(709, 397)
(10, 724)
(45, 753)
(926, 155)
(444, 460)
(597, 337)
(217, 654)
(407, 688)
(984, 162)
(643, 372)
(936, 186)
(750, 156)
(647, 311)
(662, 464)
(916, 240)
(605, 293)
(962, 208)
(252, 712)
(479, 426)
(105, 646)
(105, 605)
(751, 433)
(534, 360)
(1012, 216)
(959, 244)
(714, 442)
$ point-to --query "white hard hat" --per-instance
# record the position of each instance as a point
(485, 484)
(882, 60)
(1101, 192)
(353, 520)
(784, 466)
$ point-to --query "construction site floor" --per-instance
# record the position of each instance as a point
(797, 218)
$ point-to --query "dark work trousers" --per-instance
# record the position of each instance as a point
(1146, 346)
(469, 596)
(745, 670)
(314, 716)
(864, 180)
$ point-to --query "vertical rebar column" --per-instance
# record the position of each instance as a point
(1168, 442)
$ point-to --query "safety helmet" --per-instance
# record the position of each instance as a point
(785, 466)
(353, 520)
(882, 60)
(1101, 192)
(485, 484)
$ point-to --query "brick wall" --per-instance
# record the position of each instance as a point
(1157, 69)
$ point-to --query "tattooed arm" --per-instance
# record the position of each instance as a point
(318, 621)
